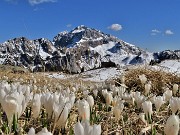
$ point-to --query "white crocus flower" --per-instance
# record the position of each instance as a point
(174, 104)
(108, 98)
(172, 125)
(158, 101)
(167, 94)
(122, 90)
(96, 130)
(36, 105)
(63, 117)
(142, 117)
(147, 88)
(138, 98)
(147, 108)
(85, 93)
(175, 88)
(90, 100)
(117, 110)
(95, 92)
(12, 105)
(72, 99)
(47, 101)
(85, 128)
(31, 131)
(44, 131)
(143, 78)
(104, 92)
(84, 109)
(78, 129)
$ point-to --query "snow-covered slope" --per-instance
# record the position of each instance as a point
(110, 48)
(79, 50)
(169, 66)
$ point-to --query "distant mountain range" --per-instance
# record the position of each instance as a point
(76, 51)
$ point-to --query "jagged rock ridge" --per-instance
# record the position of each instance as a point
(79, 50)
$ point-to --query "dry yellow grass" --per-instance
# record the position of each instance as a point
(159, 79)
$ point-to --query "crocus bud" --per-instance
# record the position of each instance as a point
(147, 88)
(143, 78)
(117, 110)
(85, 93)
(31, 131)
(78, 129)
(63, 117)
(114, 101)
(142, 117)
(122, 79)
(175, 88)
(36, 105)
(147, 108)
(159, 100)
(167, 94)
(96, 130)
(95, 92)
(44, 131)
(84, 110)
(90, 100)
(172, 125)
(108, 98)
(138, 98)
(174, 104)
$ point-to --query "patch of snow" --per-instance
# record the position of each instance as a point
(102, 49)
(97, 75)
(101, 75)
(77, 31)
(43, 54)
(172, 66)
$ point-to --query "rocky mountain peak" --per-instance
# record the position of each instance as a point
(82, 36)
(79, 50)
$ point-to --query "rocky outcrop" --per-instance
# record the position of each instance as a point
(76, 51)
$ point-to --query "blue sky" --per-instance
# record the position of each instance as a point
(151, 24)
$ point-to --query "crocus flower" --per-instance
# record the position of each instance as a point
(142, 117)
(90, 100)
(78, 129)
(108, 98)
(167, 94)
(36, 105)
(95, 92)
(147, 108)
(117, 110)
(84, 109)
(175, 88)
(147, 88)
(31, 131)
(174, 104)
(44, 131)
(158, 101)
(85, 128)
(143, 78)
(138, 98)
(63, 117)
(172, 125)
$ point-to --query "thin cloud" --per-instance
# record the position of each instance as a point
(115, 27)
(154, 32)
(36, 2)
(169, 32)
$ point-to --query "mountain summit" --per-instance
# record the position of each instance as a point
(79, 50)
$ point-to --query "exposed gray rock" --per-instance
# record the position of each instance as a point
(76, 51)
